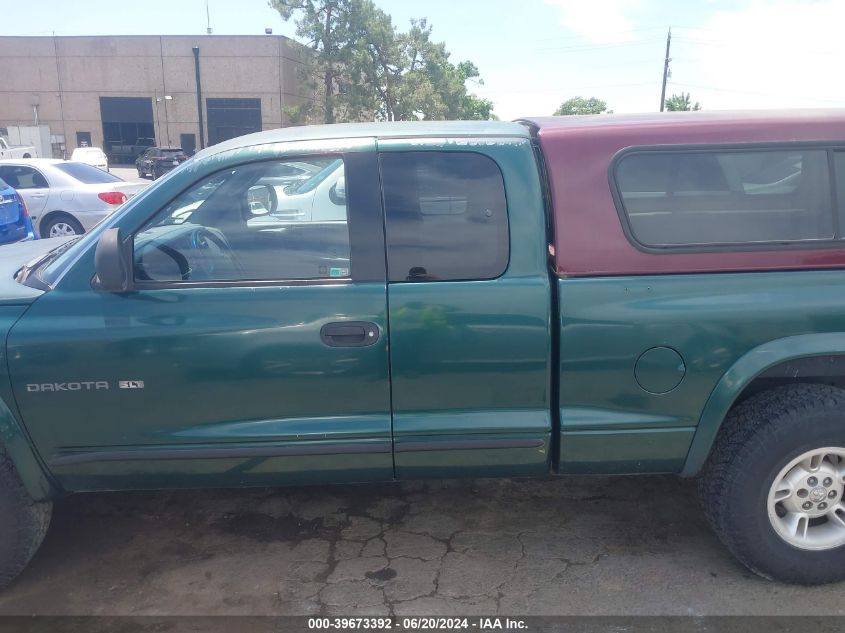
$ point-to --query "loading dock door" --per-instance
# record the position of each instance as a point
(127, 127)
(228, 118)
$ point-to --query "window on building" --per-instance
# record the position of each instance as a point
(707, 197)
(446, 216)
(242, 224)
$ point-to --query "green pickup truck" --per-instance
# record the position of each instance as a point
(357, 303)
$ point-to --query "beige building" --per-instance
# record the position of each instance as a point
(122, 92)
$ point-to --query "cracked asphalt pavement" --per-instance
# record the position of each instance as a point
(573, 546)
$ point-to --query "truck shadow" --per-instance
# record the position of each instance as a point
(566, 545)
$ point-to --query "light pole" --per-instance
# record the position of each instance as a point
(165, 98)
(196, 50)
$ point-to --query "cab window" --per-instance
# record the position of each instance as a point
(446, 216)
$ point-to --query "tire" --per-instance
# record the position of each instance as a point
(23, 523)
(154, 174)
(27, 155)
(760, 443)
(61, 226)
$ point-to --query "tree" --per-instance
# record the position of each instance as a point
(579, 105)
(325, 25)
(361, 68)
(430, 85)
(681, 102)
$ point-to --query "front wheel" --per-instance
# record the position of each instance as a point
(23, 523)
(773, 487)
(61, 226)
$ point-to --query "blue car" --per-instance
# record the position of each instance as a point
(15, 223)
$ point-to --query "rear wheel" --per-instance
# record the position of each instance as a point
(61, 226)
(23, 523)
(154, 173)
(773, 487)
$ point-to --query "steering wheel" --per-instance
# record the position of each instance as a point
(212, 248)
(178, 258)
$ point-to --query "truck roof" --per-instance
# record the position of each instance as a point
(399, 129)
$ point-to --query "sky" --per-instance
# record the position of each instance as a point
(535, 54)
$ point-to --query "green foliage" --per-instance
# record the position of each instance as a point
(681, 102)
(362, 68)
(579, 105)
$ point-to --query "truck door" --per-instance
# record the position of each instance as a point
(246, 353)
(469, 308)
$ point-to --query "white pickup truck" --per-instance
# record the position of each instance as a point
(16, 151)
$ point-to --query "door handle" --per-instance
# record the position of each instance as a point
(349, 333)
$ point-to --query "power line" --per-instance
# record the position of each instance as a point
(572, 88)
(581, 37)
(591, 47)
(753, 92)
(727, 43)
(590, 64)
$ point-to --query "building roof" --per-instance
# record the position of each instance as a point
(401, 129)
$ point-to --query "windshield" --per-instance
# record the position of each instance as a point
(44, 260)
(316, 179)
(86, 174)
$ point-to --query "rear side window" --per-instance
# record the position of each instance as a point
(446, 216)
(726, 197)
(839, 166)
(23, 177)
(86, 174)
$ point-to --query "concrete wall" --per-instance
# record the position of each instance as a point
(66, 76)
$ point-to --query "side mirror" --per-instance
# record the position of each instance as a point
(113, 263)
(262, 199)
(338, 191)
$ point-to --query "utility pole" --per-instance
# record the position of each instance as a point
(665, 70)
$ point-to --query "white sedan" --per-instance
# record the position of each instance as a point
(93, 156)
(65, 197)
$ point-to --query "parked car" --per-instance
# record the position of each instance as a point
(157, 161)
(65, 197)
(93, 156)
(609, 294)
(16, 151)
(322, 197)
(129, 152)
(15, 223)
